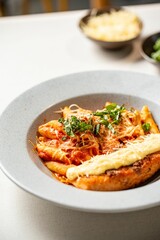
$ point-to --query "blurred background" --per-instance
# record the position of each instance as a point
(20, 7)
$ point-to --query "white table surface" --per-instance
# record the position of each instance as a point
(36, 48)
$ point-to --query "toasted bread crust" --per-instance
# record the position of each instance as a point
(123, 178)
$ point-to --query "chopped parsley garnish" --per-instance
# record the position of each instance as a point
(146, 127)
(112, 111)
(108, 117)
(64, 138)
(74, 125)
(97, 129)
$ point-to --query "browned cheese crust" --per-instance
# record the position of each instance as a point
(123, 178)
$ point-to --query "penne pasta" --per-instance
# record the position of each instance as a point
(147, 118)
(51, 153)
(138, 123)
(58, 167)
(50, 129)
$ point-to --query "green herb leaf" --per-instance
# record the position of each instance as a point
(146, 127)
(111, 107)
(97, 129)
(111, 128)
(110, 115)
(61, 120)
(156, 46)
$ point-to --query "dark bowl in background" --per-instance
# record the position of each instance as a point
(147, 47)
(107, 44)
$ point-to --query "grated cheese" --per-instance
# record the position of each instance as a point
(115, 26)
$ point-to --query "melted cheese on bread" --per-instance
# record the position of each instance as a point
(134, 151)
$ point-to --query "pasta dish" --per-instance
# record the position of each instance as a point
(81, 137)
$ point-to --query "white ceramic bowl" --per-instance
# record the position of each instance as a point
(19, 122)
